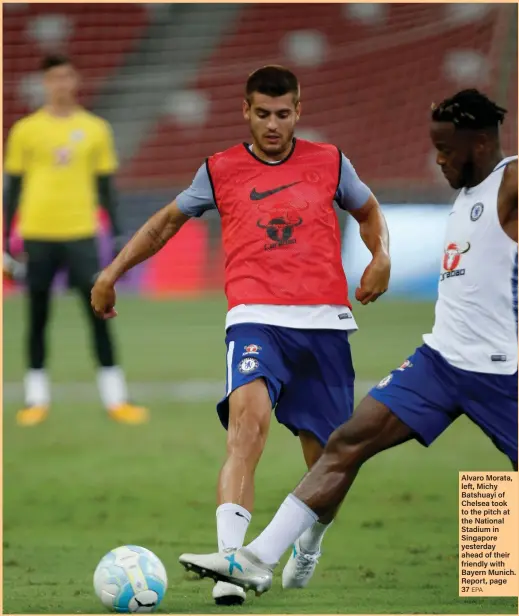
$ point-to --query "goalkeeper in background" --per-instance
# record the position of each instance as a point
(59, 164)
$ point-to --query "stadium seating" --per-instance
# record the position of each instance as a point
(97, 36)
(369, 73)
(369, 76)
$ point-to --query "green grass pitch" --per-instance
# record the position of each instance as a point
(79, 485)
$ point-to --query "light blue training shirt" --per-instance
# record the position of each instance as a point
(351, 193)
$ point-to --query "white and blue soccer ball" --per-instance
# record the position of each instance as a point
(130, 579)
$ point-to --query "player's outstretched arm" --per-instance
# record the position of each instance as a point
(146, 242)
(374, 233)
(354, 196)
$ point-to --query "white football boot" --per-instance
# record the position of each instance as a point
(299, 568)
(238, 567)
(228, 594)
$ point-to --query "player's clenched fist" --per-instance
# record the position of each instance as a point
(102, 297)
(374, 281)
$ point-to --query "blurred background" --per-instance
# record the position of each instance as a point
(169, 78)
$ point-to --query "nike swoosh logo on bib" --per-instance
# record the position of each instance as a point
(257, 196)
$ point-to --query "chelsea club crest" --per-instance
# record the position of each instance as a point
(248, 364)
(476, 211)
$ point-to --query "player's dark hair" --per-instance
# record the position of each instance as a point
(54, 60)
(272, 80)
(469, 109)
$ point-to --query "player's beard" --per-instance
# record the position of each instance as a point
(276, 149)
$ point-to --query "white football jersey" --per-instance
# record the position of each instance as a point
(475, 324)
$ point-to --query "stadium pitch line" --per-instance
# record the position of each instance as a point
(161, 391)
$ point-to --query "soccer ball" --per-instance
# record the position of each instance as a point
(130, 579)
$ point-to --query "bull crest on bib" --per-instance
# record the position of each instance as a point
(452, 256)
(279, 227)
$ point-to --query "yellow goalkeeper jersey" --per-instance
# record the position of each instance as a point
(59, 160)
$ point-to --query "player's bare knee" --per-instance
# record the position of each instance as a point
(249, 419)
(347, 446)
(371, 429)
(248, 431)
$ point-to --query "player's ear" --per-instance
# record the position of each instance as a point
(478, 146)
(483, 139)
(298, 111)
(246, 109)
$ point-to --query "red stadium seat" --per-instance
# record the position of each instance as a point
(371, 94)
(99, 37)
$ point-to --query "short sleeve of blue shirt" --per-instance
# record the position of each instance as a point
(352, 193)
(198, 198)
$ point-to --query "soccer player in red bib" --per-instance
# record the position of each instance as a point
(467, 364)
(289, 316)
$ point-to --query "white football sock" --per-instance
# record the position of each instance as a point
(37, 388)
(232, 522)
(112, 386)
(290, 521)
(310, 541)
